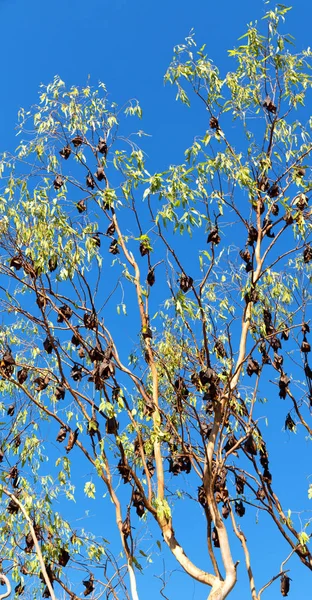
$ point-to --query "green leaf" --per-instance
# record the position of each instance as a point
(89, 489)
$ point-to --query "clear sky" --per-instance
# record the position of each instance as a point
(128, 44)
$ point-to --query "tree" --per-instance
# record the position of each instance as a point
(209, 270)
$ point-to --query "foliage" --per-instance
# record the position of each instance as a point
(209, 265)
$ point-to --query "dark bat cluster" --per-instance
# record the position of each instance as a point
(285, 585)
(138, 502)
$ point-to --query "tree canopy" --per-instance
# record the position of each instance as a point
(155, 330)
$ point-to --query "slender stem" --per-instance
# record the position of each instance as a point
(242, 539)
(35, 540)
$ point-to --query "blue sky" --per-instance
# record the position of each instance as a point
(128, 45)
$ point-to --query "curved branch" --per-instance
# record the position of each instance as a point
(36, 543)
(4, 580)
(184, 561)
(242, 539)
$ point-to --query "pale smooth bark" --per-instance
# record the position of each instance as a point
(184, 561)
(133, 586)
(6, 581)
(36, 543)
